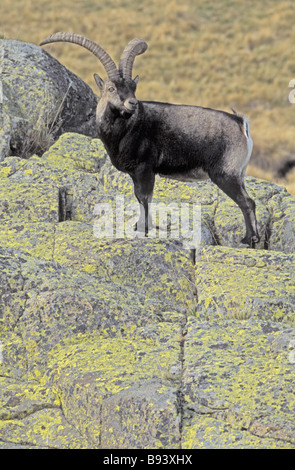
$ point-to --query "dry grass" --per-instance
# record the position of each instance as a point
(218, 54)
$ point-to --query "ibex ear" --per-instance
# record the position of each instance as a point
(136, 80)
(98, 80)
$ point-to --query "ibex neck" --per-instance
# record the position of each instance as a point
(114, 128)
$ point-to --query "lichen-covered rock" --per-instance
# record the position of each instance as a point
(61, 185)
(108, 340)
(238, 391)
(237, 283)
(83, 339)
(282, 228)
(119, 390)
(46, 304)
(41, 99)
(31, 416)
(155, 418)
(147, 266)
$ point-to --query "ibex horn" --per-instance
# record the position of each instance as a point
(133, 48)
(98, 51)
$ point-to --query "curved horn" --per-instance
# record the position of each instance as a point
(133, 48)
(98, 51)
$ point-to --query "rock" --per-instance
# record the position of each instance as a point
(41, 99)
(123, 341)
(31, 413)
(47, 304)
(232, 385)
(71, 332)
(116, 378)
(282, 233)
(153, 407)
(239, 283)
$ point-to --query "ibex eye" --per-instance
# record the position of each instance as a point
(111, 89)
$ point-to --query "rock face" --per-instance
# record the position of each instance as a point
(125, 342)
(39, 100)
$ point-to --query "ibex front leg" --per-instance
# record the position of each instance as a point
(143, 180)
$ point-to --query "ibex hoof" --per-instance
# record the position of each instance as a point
(250, 241)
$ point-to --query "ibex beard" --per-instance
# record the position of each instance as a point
(187, 143)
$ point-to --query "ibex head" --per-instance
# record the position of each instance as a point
(119, 90)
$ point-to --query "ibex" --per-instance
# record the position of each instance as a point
(187, 143)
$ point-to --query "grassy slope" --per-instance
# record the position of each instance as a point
(219, 54)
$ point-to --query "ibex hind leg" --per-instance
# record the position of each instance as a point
(234, 187)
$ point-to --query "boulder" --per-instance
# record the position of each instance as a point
(39, 100)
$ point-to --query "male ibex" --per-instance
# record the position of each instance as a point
(187, 143)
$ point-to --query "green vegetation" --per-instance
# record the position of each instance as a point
(226, 54)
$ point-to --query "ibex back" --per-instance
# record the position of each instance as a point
(186, 143)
